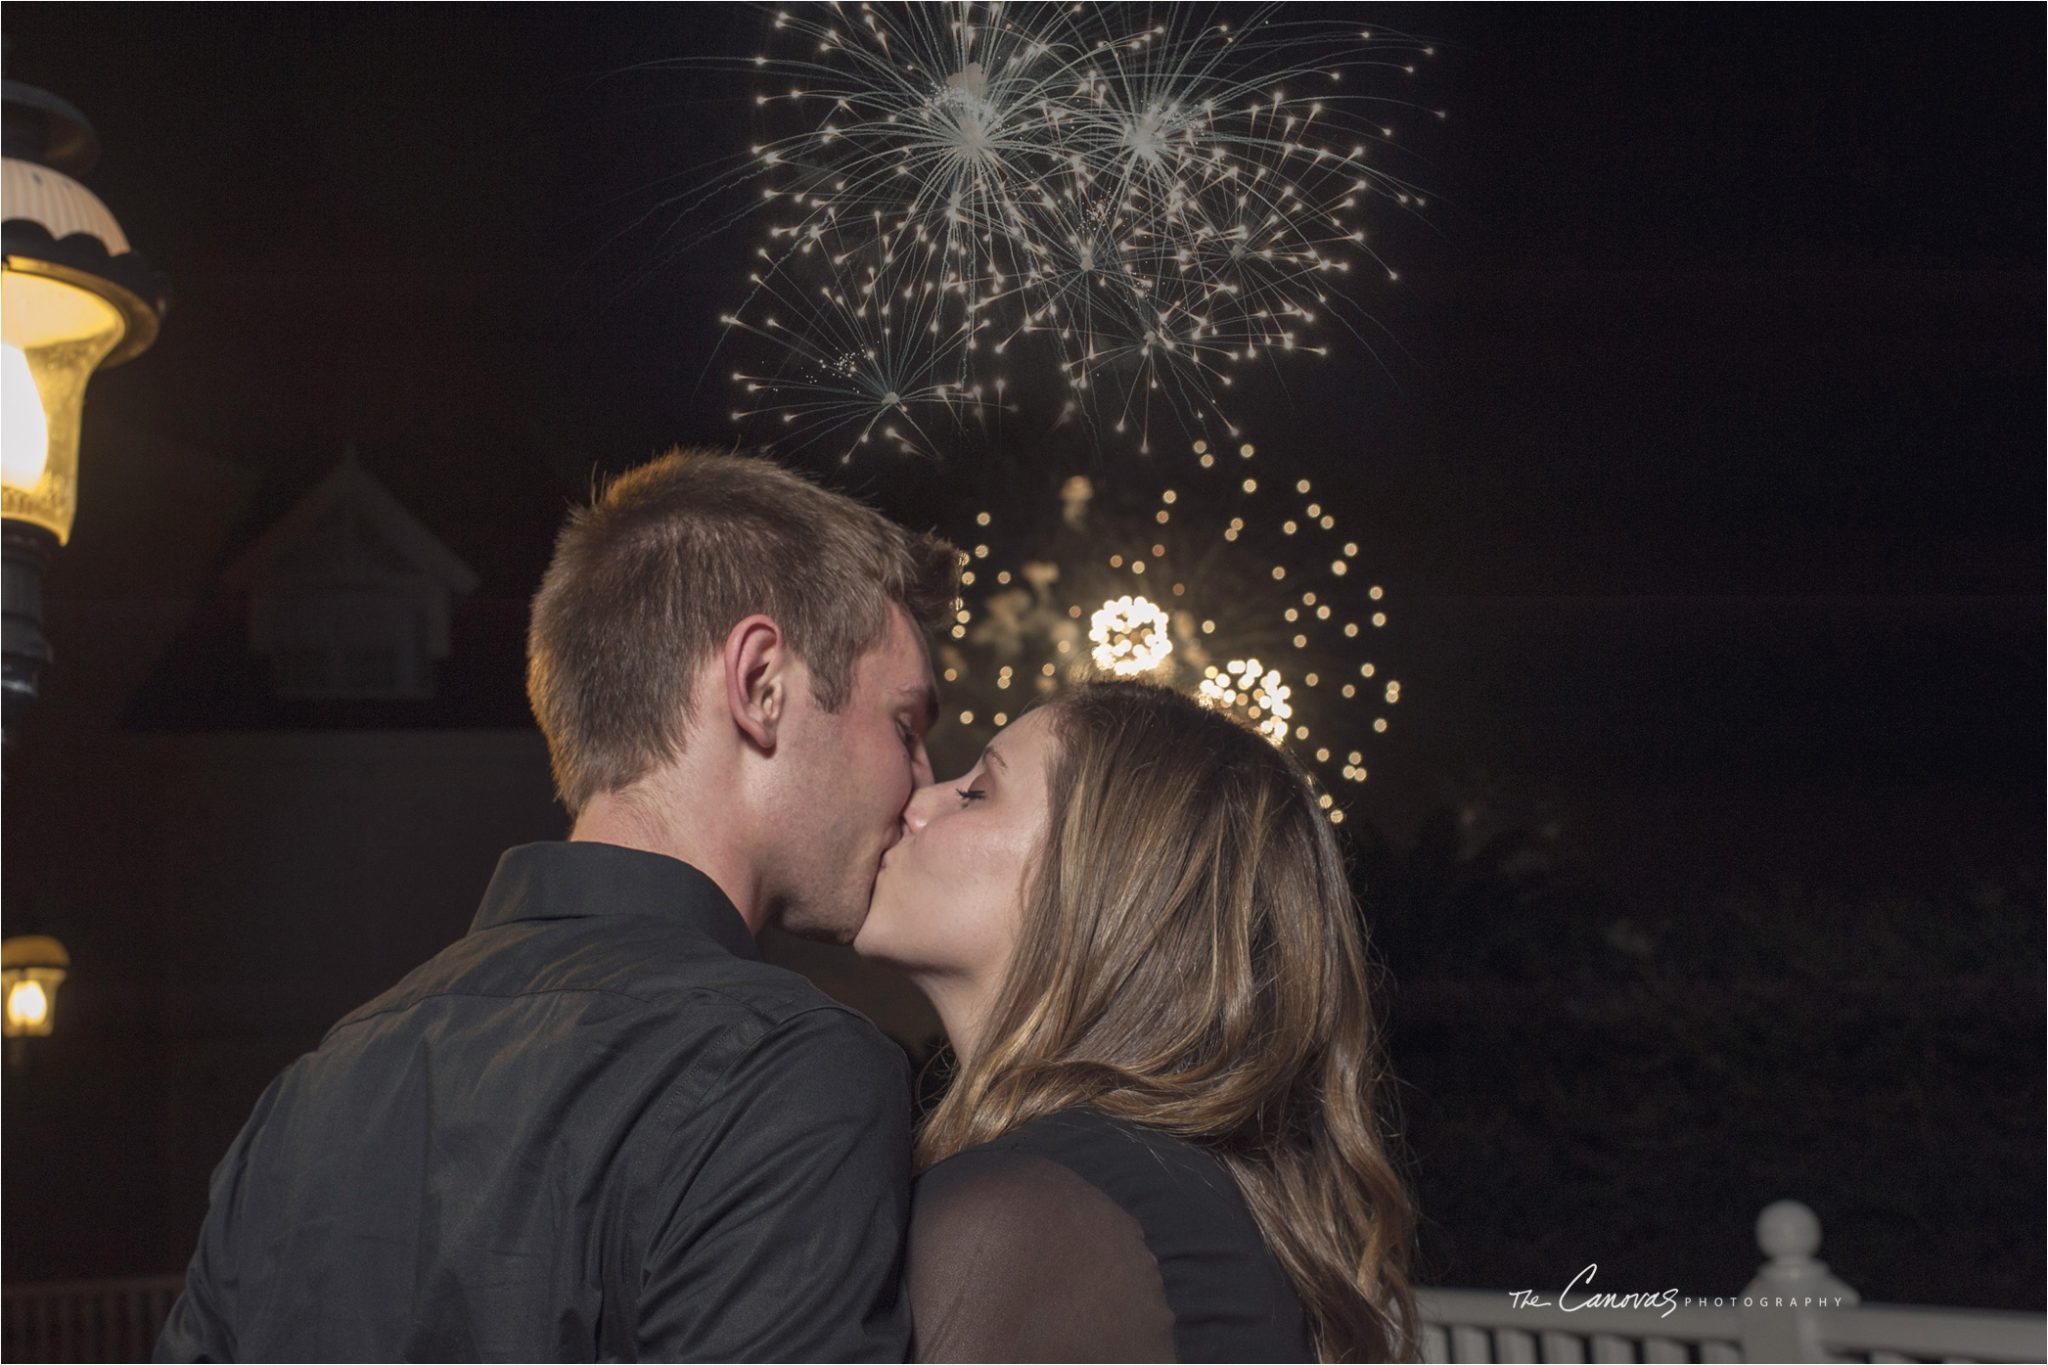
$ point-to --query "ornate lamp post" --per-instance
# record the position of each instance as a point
(74, 299)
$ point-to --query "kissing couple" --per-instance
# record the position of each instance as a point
(600, 1127)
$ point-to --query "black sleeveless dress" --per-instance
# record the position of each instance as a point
(1081, 1237)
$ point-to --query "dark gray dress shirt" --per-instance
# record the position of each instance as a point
(596, 1127)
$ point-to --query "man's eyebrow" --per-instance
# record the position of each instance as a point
(929, 692)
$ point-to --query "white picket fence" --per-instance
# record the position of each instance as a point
(1794, 1310)
(1780, 1316)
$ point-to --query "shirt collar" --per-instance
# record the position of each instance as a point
(581, 880)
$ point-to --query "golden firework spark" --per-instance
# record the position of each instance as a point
(1131, 635)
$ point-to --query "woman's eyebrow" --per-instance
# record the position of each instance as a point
(989, 752)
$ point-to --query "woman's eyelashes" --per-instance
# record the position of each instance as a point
(969, 795)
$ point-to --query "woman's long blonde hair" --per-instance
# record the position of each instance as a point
(1190, 959)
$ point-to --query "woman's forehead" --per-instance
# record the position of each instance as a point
(1028, 739)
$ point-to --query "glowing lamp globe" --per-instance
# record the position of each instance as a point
(32, 967)
(53, 335)
(74, 299)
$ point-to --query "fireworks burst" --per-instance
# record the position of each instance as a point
(859, 361)
(1125, 207)
(1248, 687)
(1130, 635)
(1238, 590)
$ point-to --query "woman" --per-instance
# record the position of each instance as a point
(1160, 1142)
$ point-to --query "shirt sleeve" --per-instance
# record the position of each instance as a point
(786, 1240)
(197, 1327)
(1017, 1258)
(200, 1325)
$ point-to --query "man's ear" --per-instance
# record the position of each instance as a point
(757, 662)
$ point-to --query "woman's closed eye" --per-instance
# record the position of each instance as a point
(969, 795)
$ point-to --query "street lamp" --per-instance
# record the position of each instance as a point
(32, 967)
(74, 299)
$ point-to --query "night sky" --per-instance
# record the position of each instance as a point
(1700, 453)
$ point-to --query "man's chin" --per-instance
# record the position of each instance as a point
(839, 921)
(866, 940)
(822, 924)
(839, 935)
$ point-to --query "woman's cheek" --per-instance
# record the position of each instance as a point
(916, 924)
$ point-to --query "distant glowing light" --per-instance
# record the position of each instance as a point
(28, 1005)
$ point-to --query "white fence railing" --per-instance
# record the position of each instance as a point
(1794, 1310)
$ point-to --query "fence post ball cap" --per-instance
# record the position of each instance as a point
(1788, 1231)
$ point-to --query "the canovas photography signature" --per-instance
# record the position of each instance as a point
(1579, 1294)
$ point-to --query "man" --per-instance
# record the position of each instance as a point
(599, 1126)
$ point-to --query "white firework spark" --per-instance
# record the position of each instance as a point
(1135, 204)
(1249, 687)
(1131, 635)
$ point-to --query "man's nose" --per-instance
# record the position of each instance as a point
(917, 813)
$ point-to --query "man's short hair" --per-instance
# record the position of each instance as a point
(648, 580)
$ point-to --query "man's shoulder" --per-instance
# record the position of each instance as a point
(712, 1011)
(621, 964)
(814, 1042)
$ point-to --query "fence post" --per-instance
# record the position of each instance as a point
(1777, 1308)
